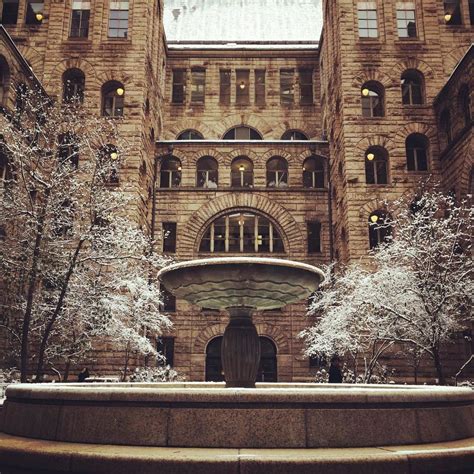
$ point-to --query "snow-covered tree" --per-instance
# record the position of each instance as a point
(76, 267)
(416, 290)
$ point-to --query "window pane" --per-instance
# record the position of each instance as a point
(33, 8)
(169, 237)
(225, 76)
(10, 12)
(178, 86)
(287, 86)
(198, 81)
(243, 86)
(306, 86)
(260, 87)
(314, 237)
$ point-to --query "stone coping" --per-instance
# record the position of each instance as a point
(280, 393)
(52, 456)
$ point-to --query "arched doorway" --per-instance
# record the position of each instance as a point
(267, 371)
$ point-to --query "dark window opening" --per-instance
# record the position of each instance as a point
(10, 12)
(314, 236)
(445, 126)
(198, 84)
(190, 135)
(225, 84)
(376, 166)
(294, 135)
(170, 173)
(471, 11)
(34, 12)
(372, 96)
(214, 369)
(417, 152)
(179, 79)
(452, 12)
(306, 86)
(242, 133)
(80, 17)
(277, 172)
(260, 87)
(412, 88)
(73, 86)
(165, 346)
(380, 230)
(464, 104)
(316, 362)
(169, 301)
(68, 150)
(287, 86)
(207, 173)
(314, 172)
(113, 97)
(169, 237)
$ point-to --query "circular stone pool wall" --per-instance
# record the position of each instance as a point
(209, 415)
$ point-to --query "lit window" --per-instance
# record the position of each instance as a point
(367, 16)
(452, 12)
(260, 87)
(372, 96)
(412, 87)
(80, 16)
(73, 86)
(313, 172)
(242, 91)
(118, 19)
(34, 12)
(314, 236)
(225, 81)
(380, 230)
(242, 133)
(417, 152)
(206, 173)
(198, 84)
(190, 135)
(241, 173)
(169, 237)
(287, 86)
(306, 86)
(179, 81)
(294, 135)
(9, 12)
(170, 173)
(4, 79)
(113, 94)
(241, 232)
(406, 20)
(376, 166)
(277, 173)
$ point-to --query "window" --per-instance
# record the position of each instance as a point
(165, 346)
(241, 232)
(198, 83)
(313, 172)
(452, 12)
(367, 17)
(314, 236)
(73, 86)
(464, 104)
(3, 233)
(277, 172)
(206, 173)
(224, 94)
(376, 166)
(169, 237)
(169, 300)
(68, 151)
(9, 12)
(214, 369)
(242, 91)
(406, 20)
(118, 19)
(34, 12)
(80, 16)
(113, 94)
(242, 133)
(63, 219)
(471, 11)
(190, 135)
(5, 172)
(445, 126)
(287, 86)
(21, 97)
(372, 96)
(108, 155)
(417, 152)
(260, 87)
(294, 135)
(179, 80)
(306, 86)
(380, 229)
(412, 87)
(170, 173)
(4, 79)
(241, 175)
(267, 369)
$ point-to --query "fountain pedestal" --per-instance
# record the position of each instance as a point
(240, 349)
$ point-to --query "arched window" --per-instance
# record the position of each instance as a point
(108, 156)
(380, 229)
(372, 95)
(242, 133)
(4, 80)
(241, 174)
(313, 172)
(73, 86)
(417, 152)
(242, 232)
(412, 83)
(190, 135)
(170, 173)
(113, 94)
(294, 135)
(376, 165)
(206, 173)
(267, 370)
(445, 126)
(464, 104)
(277, 172)
(68, 150)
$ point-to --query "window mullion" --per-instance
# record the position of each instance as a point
(270, 232)
(212, 247)
(241, 232)
(255, 231)
(227, 234)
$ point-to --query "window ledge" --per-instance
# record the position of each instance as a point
(229, 188)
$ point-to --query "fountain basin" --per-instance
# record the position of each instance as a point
(208, 415)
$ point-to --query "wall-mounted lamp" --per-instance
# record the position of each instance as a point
(365, 92)
(242, 85)
(370, 156)
(447, 17)
(374, 218)
(39, 16)
(120, 91)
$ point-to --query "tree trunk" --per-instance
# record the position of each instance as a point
(127, 358)
(439, 367)
(66, 370)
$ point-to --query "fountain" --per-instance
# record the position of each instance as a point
(211, 428)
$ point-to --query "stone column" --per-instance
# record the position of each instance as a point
(240, 349)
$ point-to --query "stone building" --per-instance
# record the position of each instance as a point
(272, 130)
